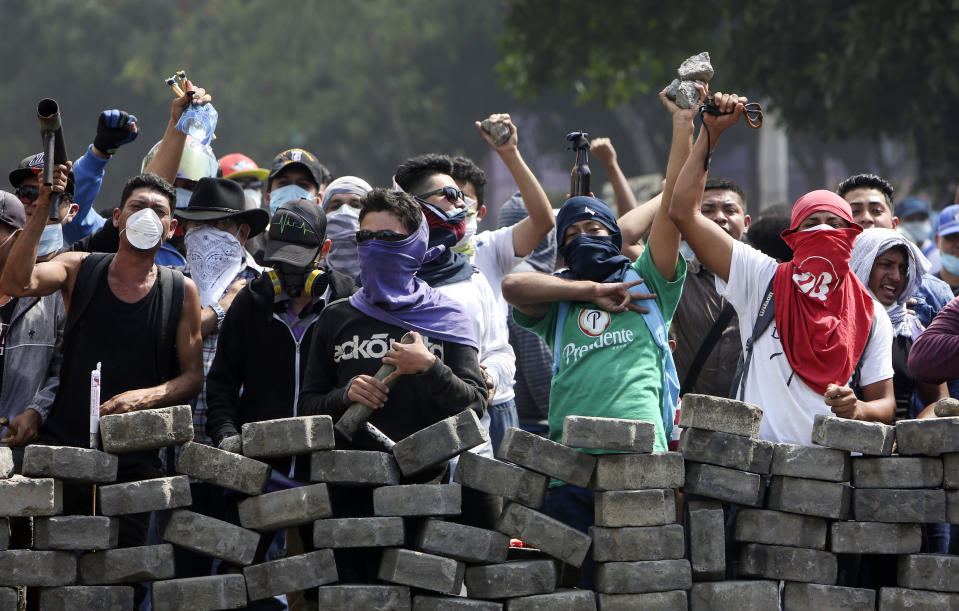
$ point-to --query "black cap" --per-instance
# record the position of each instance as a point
(32, 165)
(310, 163)
(11, 210)
(221, 198)
(297, 233)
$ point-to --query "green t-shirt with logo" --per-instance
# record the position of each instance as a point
(610, 365)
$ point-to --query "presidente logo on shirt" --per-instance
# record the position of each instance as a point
(593, 322)
(594, 325)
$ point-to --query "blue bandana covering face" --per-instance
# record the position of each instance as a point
(590, 257)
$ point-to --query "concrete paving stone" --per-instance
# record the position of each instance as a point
(545, 533)
(651, 601)
(617, 508)
(74, 598)
(811, 462)
(947, 407)
(952, 506)
(720, 414)
(738, 595)
(363, 596)
(420, 570)
(810, 497)
(563, 600)
(354, 468)
(928, 437)
(706, 540)
(638, 471)
(637, 543)
(9, 599)
(725, 484)
(75, 533)
(778, 528)
(462, 542)
(411, 500)
(336, 533)
(547, 457)
(950, 471)
(804, 596)
(146, 429)
(439, 442)
(905, 506)
(511, 579)
(224, 469)
(904, 599)
(290, 574)
(25, 496)
(127, 565)
(613, 434)
(287, 436)
(788, 563)
(726, 450)
(144, 495)
(283, 508)
(211, 537)
(200, 593)
(423, 602)
(72, 464)
(696, 68)
(503, 479)
(938, 572)
(642, 577)
(871, 438)
(6, 462)
(897, 472)
(4, 534)
(21, 567)
(874, 538)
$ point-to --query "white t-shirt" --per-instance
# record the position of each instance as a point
(789, 405)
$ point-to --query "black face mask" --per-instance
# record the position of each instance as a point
(295, 280)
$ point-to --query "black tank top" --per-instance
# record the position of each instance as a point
(123, 338)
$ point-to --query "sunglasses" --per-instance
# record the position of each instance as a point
(452, 194)
(385, 234)
(28, 193)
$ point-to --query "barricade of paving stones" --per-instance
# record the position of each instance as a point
(787, 511)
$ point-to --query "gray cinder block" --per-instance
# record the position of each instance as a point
(360, 596)
(547, 457)
(726, 450)
(788, 563)
(290, 574)
(127, 565)
(810, 497)
(706, 539)
(543, 532)
(439, 442)
(803, 596)
(872, 438)
(354, 468)
(462, 542)
(211, 537)
(511, 579)
(287, 436)
(778, 528)
(71, 598)
(811, 462)
(897, 472)
(283, 508)
(498, 478)
(720, 414)
(563, 600)
(651, 601)
(741, 595)
(641, 577)
(418, 500)
(21, 567)
(426, 571)
(905, 506)
(423, 602)
(144, 495)
(73, 464)
(929, 436)
(200, 593)
(337, 533)
(147, 429)
(24, 496)
(615, 434)
(224, 469)
(638, 471)
(635, 543)
(874, 538)
(938, 572)
(904, 599)
(75, 533)
(724, 484)
(617, 508)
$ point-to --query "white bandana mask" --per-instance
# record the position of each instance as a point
(144, 229)
(215, 258)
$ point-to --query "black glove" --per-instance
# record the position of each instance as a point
(112, 130)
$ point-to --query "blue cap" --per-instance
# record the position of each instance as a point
(912, 205)
(949, 220)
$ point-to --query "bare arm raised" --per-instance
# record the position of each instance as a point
(602, 149)
(532, 293)
(167, 160)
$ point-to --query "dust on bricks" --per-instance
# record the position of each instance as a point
(354, 468)
(778, 528)
(929, 436)
(545, 533)
(897, 472)
(423, 602)
(810, 497)
(563, 600)
(37, 568)
(200, 593)
(74, 464)
(337, 533)
(511, 579)
(547, 457)
(224, 469)
(706, 541)
(70, 598)
(950, 471)
(290, 574)
(720, 414)
(874, 538)
(75, 533)
(420, 570)
(904, 506)
(804, 596)
(6, 462)
(462, 542)
(743, 595)
(724, 484)
(871, 438)
(641, 577)
(147, 429)
(287, 436)
(24, 496)
(651, 601)
(788, 563)
(498, 478)
(361, 596)
(144, 495)
(638, 543)
(615, 434)
(127, 565)
(726, 450)
(284, 508)
(937, 572)
(635, 507)
(439, 442)
(812, 462)
(211, 537)
(904, 599)
(418, 500)
(638, 471)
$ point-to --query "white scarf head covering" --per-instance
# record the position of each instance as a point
(345, 184)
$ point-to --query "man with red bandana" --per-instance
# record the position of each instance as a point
(827, 333)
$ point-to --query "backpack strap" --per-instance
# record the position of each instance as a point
(562, 311)
(91, 268)
(171, 306)
(706, 348)
(767, 312)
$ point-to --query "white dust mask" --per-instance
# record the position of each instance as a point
(144, 229)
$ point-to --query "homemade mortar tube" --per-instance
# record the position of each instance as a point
(357, 413)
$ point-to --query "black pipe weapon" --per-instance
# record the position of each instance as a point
(54, 149)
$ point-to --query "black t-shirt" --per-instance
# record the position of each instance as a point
(6, 315)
